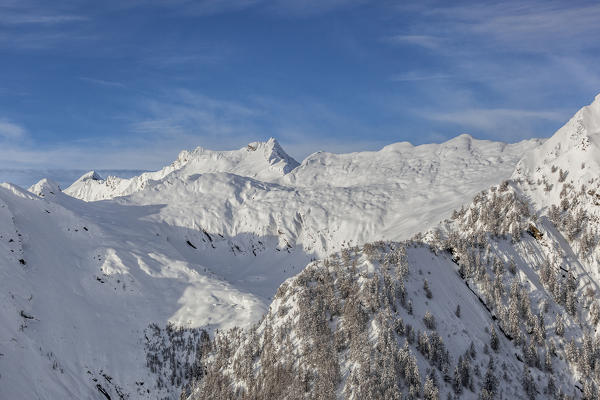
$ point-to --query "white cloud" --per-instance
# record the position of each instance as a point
(10, 130)
(32, 19)
(302, 8)
(292, 8)
(500, 123)
(182, 112)
(415, 76)
(532, 26)
(102, 82)
(427, 41)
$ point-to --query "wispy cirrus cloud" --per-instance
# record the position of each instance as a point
(304, 8)
(427, 41)
(533, 26)
(413, 76)
(11, 131)
(287, 8)
(26, 18)
(182, 111)
(35, 25)
(497, 60)
(487, 118)
(102, 82)
(32, 12)
(511, 124)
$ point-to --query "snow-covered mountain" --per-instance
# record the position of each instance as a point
(319, 205)
(217, 239)
(262, 161)
(569, 159)
(26, 177)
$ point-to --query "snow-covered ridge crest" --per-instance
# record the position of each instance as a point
(579, 136)
(400, 164)
(265, 161)
(566, 161)
(462, 157)
(328, 200)
(45, 187)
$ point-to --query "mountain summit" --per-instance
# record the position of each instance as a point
(566, 161)
(266, 161)
(260, 160)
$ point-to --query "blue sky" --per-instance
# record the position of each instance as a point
(127, 84)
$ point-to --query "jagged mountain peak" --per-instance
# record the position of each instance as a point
(93, 175)
(266, 161)
(47, 187)
(274, 154)
(570, 157)
(246, 161)
(580, 133)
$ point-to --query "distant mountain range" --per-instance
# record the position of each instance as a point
(26, 177)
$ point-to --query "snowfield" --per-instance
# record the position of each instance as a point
(206, 242)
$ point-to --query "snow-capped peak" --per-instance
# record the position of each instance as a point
(580, 134)
(266, 161)
(261, 160)
(275, 155)
(93, 175)
(570, 157)
(47, 187)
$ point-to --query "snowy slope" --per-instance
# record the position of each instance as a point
(461, 159)
(569, 157)
(561, 179)
(80, 284)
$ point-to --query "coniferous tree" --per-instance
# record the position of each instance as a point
(427, 290)
(551, 388)
(559, 327)
(528, 383)
(490, 382)
(594, 313)
(531, 354)
(472, 353)
(494, 341)
(429, 320)
(457, 381)
(512, 266)
(548, 360)
(430, 390)
(590, 392)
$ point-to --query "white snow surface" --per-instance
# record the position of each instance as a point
(574, 149)
(264, 161)
(205, 241)
(328, 200)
